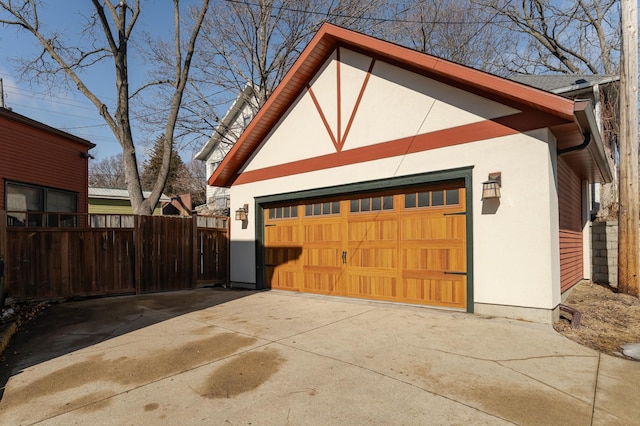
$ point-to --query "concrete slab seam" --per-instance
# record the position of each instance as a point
(543, 383)
(595, 389)
(413, 385)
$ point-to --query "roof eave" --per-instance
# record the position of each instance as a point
(325, 41)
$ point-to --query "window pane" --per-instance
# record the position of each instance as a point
(58, 201)
(294, 211)
(452, 197)
(326, 208)
(388, 202)
(316, 209)
(437, 198)
(409, 201)
(355, 204)
(286, 211)
(335, 207)
(365, 204)
(308, 210)
(24, 198)
(272, 213)
(376, 203)
(279, 213)
(423, 199)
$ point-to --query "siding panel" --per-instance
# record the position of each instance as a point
(570, 218)
(35, 156)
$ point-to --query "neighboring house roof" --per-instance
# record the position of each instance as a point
(119, 194)
(226, 124)
(38, 125)
(569, 120)
(562, 83)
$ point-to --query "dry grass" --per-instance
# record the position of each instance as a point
(609, 319)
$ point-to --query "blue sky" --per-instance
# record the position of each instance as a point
(68, 109)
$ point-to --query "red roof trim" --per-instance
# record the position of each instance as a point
(327, 39)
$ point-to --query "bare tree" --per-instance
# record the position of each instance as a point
(107, 35)
(455, 30)
(571, 37)
(194, 181)
(108, 173)
(256, 42)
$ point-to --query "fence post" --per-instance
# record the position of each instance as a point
(228, 249)
(137, 248)
(3, 253)
(195, 252)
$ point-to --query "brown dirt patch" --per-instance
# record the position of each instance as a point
(129, 371)
(244, 373)
(609, 319)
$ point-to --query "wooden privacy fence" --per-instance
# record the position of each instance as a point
(157, 253)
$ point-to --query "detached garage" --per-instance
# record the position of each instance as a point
(378, 172)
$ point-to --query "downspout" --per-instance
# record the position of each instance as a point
(585, 143)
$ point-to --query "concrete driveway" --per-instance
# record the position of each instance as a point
(238, 357)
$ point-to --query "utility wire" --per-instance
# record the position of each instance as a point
(364, 18)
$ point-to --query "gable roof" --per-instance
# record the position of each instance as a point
(7, 113)
(224, 126)
(329, 37)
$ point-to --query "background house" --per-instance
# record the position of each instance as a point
(44, 173)
(117, 201)
(365, 172)
(218, 145)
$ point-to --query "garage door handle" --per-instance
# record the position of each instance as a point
(344, 257)
(454, 273)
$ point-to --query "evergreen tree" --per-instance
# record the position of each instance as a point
(151, 167)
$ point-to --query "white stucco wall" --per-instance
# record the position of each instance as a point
(516, 247)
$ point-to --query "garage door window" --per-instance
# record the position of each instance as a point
(437, 198)
(322, 209)
(371, 204)
(283, 212)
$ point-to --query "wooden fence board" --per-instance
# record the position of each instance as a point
(156, 254)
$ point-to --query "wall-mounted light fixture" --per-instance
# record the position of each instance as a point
(491, 188)
(243, 213)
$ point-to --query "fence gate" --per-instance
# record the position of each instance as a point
(145, 254)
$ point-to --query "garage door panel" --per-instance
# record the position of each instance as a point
(408, 251)
(282, 255)
(371, 230)
(323, 232)
(322, 282)
(282, 233)
(433, 227)
(373, 257)
(284, 279)
(450, 293)
(371, 287)
(321, 257)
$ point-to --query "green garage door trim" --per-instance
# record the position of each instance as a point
(464, 173)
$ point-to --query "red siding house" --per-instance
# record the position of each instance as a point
(44, 173)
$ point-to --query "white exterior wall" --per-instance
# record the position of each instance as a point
(516, 251)
(516, 241)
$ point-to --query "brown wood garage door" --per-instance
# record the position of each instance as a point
(405, 246)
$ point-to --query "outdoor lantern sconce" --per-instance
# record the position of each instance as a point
(491, 188)
(243, 213)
